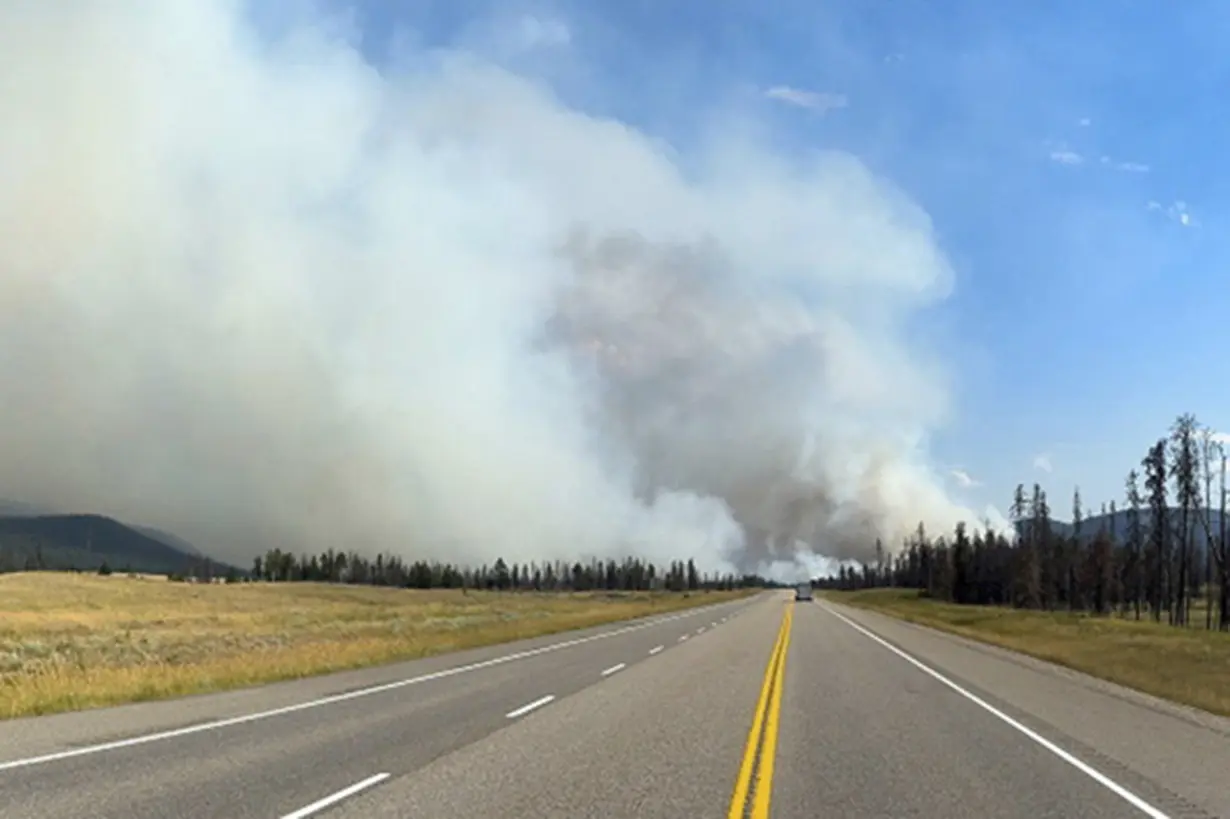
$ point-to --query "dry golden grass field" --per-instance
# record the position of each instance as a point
(1186, 665)
(70, 641)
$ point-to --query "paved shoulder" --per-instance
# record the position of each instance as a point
(34, 736)
(271, 761)
(1173, 759)
(865, 734)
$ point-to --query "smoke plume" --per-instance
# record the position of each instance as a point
(261, 293)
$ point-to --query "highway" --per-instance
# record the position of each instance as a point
(763, 707)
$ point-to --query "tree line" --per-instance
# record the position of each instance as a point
(1170, 553)
(350, 567)
(629, 574)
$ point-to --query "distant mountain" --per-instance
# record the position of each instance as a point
(1118, 524)
(86, 542)
(174, 541)
(20, 509)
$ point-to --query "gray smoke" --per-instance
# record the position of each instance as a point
(261, 293)
(716, 384)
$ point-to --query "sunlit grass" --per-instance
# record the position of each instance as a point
(71, 641)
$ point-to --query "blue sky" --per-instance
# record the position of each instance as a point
(1068, 155)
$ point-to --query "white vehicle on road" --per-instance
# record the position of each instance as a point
(802, 591)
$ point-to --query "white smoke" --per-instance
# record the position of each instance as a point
(266, 294)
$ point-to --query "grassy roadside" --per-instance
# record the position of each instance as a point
(1190, 666)
(70, 641)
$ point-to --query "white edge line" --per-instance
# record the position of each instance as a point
(655, 650)
(530, 706)
(700, 630)
(684, 637)
(335, 698)
(1088, 770)
(333, 799)
(617, 667)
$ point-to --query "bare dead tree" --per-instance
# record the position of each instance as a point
(1157, 567)
(1184, 471)
(1223, 554)
(1134, 571)
(1209, 447)
(1075, 559)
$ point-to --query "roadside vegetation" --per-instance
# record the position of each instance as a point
(72, 640)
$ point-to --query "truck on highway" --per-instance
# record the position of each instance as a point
(802, 592)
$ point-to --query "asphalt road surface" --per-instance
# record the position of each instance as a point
(757, 708)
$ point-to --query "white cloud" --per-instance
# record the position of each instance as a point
(963, 478)
(1043, 461)
(820, 101)
(1084, 122)
(1176, 211)
(1130, 167)
(266, 294)
(1066, 157)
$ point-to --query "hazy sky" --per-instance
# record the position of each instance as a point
(548, 279)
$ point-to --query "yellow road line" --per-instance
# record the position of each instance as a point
(743, 782)
(768, 751)
(738, 800)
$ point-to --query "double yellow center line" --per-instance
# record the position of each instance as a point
(761, 747)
